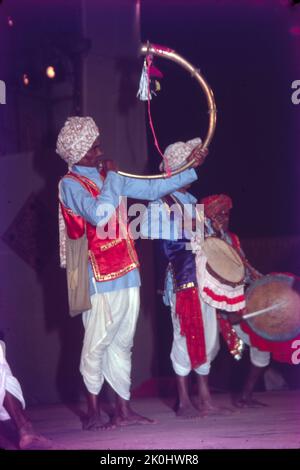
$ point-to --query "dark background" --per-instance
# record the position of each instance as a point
(245, 51)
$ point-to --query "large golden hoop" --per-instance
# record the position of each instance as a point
(212, 110)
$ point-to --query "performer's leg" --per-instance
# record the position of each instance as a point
(204, 392)
(185, 408)
(205, 401)
(100, 326)
(247, 399)
(117, 357)
(15, 411)
(28, 438)
(206, 404)
(94, 419)
(12, 406)
(182, 367)
(126, 416)
(259, 361)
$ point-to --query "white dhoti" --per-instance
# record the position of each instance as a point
(109, 331)
(179, 353)
(8, 383)
(257, 357)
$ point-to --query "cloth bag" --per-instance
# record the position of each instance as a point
(77, 275)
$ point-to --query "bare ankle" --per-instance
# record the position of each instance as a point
(26, 429)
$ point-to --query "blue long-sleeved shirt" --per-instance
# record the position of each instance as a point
(80, 201)
(157, 224)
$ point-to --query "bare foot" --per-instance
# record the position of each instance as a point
(187, 412)
(249, 402)
(129, 418)
(36, 442)
(30, 440)
(209, 409)
(95, 422)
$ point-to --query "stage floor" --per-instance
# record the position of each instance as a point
(274, 427)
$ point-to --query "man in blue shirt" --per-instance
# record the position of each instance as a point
(195, 334)
(87, 201)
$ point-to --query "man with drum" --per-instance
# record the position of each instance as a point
(273, 305)
(217, 212)
(195, 331)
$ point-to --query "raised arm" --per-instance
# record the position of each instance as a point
(96, 210)
(155, 189)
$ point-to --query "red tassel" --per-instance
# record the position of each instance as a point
(188, 309)
(234, 343)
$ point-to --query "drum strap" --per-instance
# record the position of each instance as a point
(235, 241)
(170, 199)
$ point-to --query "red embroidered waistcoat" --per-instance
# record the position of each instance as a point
(110, 258)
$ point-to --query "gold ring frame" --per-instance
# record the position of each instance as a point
(212, 110)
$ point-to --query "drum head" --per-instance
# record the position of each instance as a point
(223, 260)
(282, 323)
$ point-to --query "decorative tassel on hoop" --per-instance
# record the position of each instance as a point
(147, 88)
(148, 85)
(143, 91)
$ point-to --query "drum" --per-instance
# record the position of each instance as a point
(222, 277)
(223, 262)
(278, 294)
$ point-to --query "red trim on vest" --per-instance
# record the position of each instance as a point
(110, 258)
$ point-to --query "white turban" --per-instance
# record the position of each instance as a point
(176, 154)
(76, 138)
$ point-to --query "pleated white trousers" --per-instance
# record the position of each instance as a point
(109, 331)
(8, 383)
(179, 353)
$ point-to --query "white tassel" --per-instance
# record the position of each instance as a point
(143, 92)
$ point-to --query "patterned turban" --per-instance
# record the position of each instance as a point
(215, 204)
(176, 154)
(76, 138)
